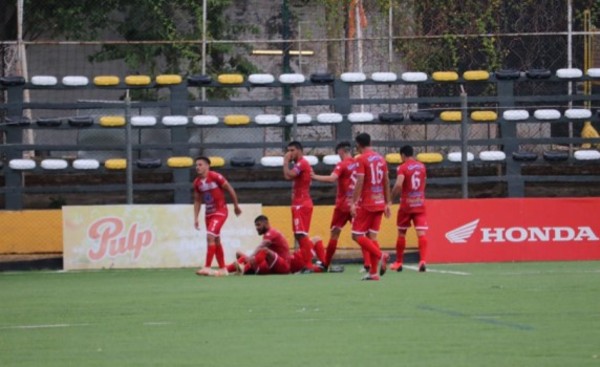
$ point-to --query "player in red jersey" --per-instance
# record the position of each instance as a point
(209, 189)
(302, 205)
(343, 173)
(271, 256)
(410, 185)
(370, 201)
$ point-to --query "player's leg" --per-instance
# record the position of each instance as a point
(214, 229)
(373, 231)
(318, 249)
(360, 228)
(338, 221)
(402, 223)
(420, 222)
(301, 217)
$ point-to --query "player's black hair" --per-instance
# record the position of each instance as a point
(343, 145)
(363, 139)
(296, 144)
(407, 150)
(261, 218)
(202, 158)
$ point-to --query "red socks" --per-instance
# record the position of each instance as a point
(423, 249)
(372, 252)
(306, 247)
(331, 247)
(320, 251)
(215, 251)
(210, 254)
(400, 247)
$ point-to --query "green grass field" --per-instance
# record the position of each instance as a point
(519, 314)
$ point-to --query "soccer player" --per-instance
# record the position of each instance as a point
(370, 201)
(302, 205)
(209, 189)
(271, 256)
(410, 185)
(343, 174)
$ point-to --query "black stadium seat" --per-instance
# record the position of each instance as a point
(148, 163)
(524, 156)
(555, 156)
(422, 116)
(391, 117)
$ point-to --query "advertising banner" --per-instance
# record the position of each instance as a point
(148, 236)
(495, 230)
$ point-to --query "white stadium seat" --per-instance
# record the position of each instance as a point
(205, 120)
(54, 164)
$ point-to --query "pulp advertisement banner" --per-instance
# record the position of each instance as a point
(490, 230)
(148, 236)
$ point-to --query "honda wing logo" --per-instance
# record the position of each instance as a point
(462, 233)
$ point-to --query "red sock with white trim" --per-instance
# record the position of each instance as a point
(372, 252)
(220, 255)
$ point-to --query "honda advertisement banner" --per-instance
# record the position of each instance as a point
(495, 230)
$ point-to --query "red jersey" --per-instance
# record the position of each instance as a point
(301, 184)
(211, 189)
(374, 168)
(413, 186)
(344, 171)
(278, 243)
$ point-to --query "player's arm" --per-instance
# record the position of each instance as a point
(397, 190)
(197, 206)
(358, 186)
(322, 178)
(234, 199)
(387, 195)
(263, 245)
(288, 173)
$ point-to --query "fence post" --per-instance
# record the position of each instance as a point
(341, 104)
(508, 134)
(464, 136)
(179, 134)
(13, 180)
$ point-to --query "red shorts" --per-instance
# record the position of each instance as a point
(340, 218)
(214, 222)
(296, 262)
(419, 220)
(366, 221)
(301, 216)
(279, 266)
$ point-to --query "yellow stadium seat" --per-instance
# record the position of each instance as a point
(112, 121)
(451, 116)
(180, 162)
(476, 75)
(230, 78)
(168, 79)
(393, 158)
(137, 80)
(234, 120)
(484, 116)
(430, 157)
(106, 80)
(445, 76)
(115, 163)
(216, 161)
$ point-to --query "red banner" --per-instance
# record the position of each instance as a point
(495, 230)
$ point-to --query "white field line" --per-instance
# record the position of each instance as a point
(42, 326)
(429, 270)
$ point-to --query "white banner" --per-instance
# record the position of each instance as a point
(148, 236)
